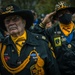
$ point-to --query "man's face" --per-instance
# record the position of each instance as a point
(14, 24)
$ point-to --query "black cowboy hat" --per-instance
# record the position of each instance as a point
(12, 9)
(61, 6)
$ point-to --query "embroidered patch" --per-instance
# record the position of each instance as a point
(57, 41)
(6, 58)
(34, 56)
(36, 70)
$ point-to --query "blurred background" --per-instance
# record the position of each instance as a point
(40, 6)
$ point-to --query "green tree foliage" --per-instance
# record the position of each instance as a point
(25, 4)
(72, 2)
(46, 6)
(40, 6)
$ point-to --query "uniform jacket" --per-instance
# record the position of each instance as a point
(35, 58)
(64, 49)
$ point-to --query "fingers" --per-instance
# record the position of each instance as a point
(51, 14)
(48, 17)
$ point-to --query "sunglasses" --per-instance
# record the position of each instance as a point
(14, 18)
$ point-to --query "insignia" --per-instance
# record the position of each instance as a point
(57, 41)
(42, 25)
(63, 39)
(58, 32)
(60, 5)
(12, 51)
(33, 70)
(36, 70)
(43, 37)
(62, 36)
(34, 48)
(19, 62)
(34, 56)
(54, 32)
(37, 36)
(6, 54)
(9, 8)
(69, 46)
(6, 58)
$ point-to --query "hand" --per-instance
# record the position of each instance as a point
(48, 17)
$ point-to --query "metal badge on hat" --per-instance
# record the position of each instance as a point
(60, 5)
(9, 10)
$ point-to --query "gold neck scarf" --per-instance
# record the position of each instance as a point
(66, 29)
(18, 41)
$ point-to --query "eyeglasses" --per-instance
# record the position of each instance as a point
(14, 18)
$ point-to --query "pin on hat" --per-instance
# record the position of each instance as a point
(61, 6)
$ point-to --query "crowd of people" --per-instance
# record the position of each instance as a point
(29, 46)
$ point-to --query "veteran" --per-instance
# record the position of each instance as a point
(61, 36)
(23, 52)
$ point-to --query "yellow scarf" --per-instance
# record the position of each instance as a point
(18, 41)
(67, 29)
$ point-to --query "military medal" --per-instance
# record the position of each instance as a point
(69, 45)
(12, 50)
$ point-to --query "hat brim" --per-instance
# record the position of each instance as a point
(25, 14)
(71, 9)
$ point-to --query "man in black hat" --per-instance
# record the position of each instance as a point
(62, 37)
(22, 52)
